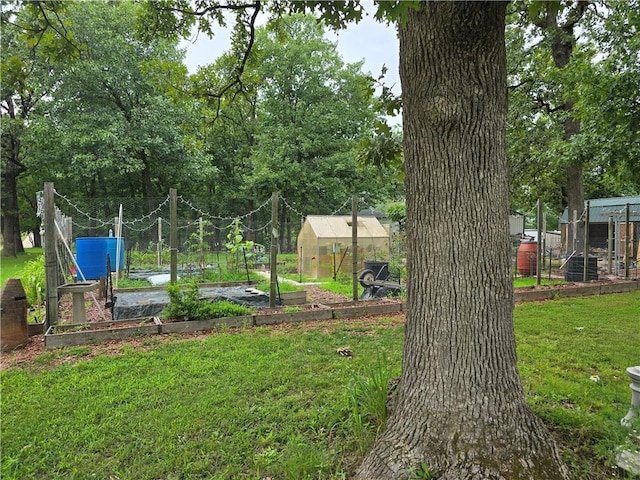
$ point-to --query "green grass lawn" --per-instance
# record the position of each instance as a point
(11, 267)
(279, 402)
(531, 281)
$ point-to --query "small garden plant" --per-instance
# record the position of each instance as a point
(187, 304)
(33, 281)
(242, 251)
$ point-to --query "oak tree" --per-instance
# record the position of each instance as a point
(461, 412)
(460, 409)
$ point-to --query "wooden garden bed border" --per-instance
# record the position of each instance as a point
(326, 312)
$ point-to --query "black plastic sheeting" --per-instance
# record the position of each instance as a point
(142, 304)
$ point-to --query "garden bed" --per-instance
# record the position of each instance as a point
(293, 298)
(552, 292)
(168, 326)
(96, 332)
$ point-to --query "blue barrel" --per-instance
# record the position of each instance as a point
(112, 247)
(91, 255)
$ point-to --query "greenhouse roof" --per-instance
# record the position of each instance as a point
(331, 226)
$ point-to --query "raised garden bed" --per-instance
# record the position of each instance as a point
(209, 324)
(35, 328)
(385, 308)
(533, 294)
(293, 298)
(70, 335)
(274, 318)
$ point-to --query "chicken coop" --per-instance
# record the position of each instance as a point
(325, 244)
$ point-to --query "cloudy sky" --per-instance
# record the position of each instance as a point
(375, 43)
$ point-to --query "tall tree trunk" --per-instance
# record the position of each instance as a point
(147, 184)
(575, 181)
(12, 169)
(460, 407)
(289, 235)
(12, 242)
(562, 42)
(575, 203)
(37, 238)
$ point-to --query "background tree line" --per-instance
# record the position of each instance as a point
(88, 104)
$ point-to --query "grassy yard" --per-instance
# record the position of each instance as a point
(11, 267)
(280, 402)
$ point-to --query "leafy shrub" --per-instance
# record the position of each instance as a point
(33, 281)
(225, 308)
(186, 304)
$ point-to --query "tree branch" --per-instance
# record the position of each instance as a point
(48, 24)
(237, 80)
(546, 106)
(520, 84)
(575, 15)
(209, 9)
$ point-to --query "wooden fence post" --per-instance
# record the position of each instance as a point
(274, 251)
(354, 245)
(627, 241)
(587, 219)
(50, 263)
(159, 247)
(539, 246)
(610, 246)
(173, 235)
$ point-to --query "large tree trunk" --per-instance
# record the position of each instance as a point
(12, 240)
(562, 41)
(575, 180)
(575, 203)
(460, 408)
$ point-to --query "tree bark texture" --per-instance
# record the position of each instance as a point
(12, 168)
(12, 242)
(460, 410)
(575, 180)
(562, 41)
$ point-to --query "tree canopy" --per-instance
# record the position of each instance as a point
(124, 115)
(600, 77)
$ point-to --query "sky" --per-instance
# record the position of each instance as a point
(371, 41)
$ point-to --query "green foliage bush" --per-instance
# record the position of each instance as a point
(186, 304)
(33, 281)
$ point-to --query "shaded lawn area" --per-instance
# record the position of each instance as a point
(11, 267)
(275, 401)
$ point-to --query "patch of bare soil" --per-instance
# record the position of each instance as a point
(27, 354)
(365, 325)
(317, 295)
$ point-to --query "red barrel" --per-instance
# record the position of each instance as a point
(527, 259)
